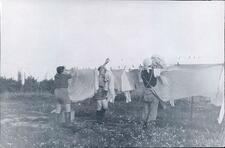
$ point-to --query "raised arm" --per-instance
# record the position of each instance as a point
(106, 62)
(69, 72)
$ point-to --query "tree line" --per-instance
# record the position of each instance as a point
(30, 85)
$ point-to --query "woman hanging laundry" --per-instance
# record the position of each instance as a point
(150, 110)
(102, 92)
(61, 92)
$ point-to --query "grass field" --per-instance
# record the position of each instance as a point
(26, 122)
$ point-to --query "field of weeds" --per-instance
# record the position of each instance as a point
(27, 122)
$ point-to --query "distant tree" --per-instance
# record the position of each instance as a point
(19, 80)
(8, 85)
(47, 86)
(3, 87)
(30, 84)
(12, 85)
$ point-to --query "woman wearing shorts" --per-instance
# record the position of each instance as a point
(61, 92)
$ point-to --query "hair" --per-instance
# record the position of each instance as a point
(100, 68)
(60, 69)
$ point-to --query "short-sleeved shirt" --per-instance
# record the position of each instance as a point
(61, 80)
(103, 86)
(104, 80)
(148, 78)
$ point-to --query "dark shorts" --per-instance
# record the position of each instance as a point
(101, 94)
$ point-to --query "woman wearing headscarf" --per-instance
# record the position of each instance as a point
(150, 101)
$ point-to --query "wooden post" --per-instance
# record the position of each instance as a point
(192, 102)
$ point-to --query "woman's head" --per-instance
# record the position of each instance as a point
(60, 69)
(102, 70)
(147, 62)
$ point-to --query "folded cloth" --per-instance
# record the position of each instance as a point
(157, 72)
(128, 96)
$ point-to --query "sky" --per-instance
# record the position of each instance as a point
(39, 35)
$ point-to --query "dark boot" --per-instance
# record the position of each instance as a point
(103, 115)
(57, 119)
(68, 119)
(98, 116)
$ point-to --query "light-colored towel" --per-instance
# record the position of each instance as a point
(110, 83)
(128, 96)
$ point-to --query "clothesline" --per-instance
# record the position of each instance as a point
(176, 82)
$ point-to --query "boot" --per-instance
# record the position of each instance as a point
(68, 119)
(103, 115)
(72, 115)
(57, 119)
(98, 116)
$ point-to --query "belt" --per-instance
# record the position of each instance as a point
(148, 87)
(100, 86)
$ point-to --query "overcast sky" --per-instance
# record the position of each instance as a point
(38, 35)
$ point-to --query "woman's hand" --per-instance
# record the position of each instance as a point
(107, 61)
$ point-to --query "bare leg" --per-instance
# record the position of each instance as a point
(153, 110)
(145, 114)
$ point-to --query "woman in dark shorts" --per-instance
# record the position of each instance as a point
(61, 92)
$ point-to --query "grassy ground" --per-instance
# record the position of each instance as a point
(26, 122)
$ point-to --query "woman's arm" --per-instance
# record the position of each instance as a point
(106, 62)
